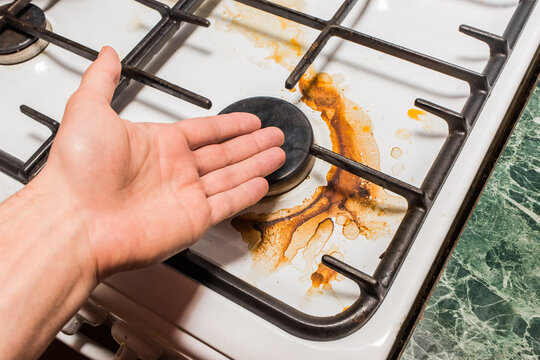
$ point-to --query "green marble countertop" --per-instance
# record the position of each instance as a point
(487, 302)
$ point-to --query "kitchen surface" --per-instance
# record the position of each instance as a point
(386, 128)
(486, 304)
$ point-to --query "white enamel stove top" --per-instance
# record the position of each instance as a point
(233, 60)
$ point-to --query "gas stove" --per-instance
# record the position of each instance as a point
(378, 99)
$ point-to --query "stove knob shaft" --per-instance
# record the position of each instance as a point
(133, 345)
(91, 313)
(72, 326)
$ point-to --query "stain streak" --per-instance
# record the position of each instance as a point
(276, 238)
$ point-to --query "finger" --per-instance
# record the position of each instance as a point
(215, 129)
(217, 156)
(232, 176)
(228, 203)
(101, 78)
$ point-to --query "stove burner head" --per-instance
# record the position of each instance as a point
(298, 138)
(17, 47)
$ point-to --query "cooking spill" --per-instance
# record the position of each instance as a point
(403, 134)
(347, 203)
(415, 114)
(429, 123)
(285, 40)
(398, 168)
(276, 238)
(396, 152)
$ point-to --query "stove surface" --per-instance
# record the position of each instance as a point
(246, 53)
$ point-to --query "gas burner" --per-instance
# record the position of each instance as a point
(17, 47)
(298, 138)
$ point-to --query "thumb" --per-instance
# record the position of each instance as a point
(102, 77)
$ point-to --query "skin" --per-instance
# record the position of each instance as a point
(114, 196)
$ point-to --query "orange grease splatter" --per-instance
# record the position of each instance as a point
(296, 46)
(415, 114)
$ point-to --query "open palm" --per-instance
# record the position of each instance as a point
(147, 191)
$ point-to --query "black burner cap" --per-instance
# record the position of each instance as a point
(298, 138)
(12, 41)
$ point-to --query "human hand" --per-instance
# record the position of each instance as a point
(146, 191)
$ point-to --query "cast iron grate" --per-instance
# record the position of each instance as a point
(373, 289)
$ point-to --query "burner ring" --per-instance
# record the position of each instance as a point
(15, 46)
(298, 138)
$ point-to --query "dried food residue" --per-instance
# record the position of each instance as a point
(429, 123)
(403, 134)
(285, 39)
(396, 152)
(350, 201)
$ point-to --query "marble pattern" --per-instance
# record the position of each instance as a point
(487, 302)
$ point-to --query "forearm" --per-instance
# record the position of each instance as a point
(152, 190)
(45, 275)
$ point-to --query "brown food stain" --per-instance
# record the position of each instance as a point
(316, 243)
(324, 275)
(396, 152)
(276, 238)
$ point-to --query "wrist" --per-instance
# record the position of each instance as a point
(63, 226)
(47, 273)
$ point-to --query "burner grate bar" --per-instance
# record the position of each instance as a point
(17, 6)
(456, 121)
(149, 46)
(127, 70)
(25, 171)
(413, 195)
(475, 80)
(176, 14)
(308, 58)
(10, 165)
(521, 15)
(497, 44)
(40, 118)
(331, 28)
(37, 161)
(342, 12)
(13, 9)
(363, 280)
(287, 13)
(443, 163)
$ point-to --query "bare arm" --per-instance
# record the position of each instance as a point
(116, 195)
